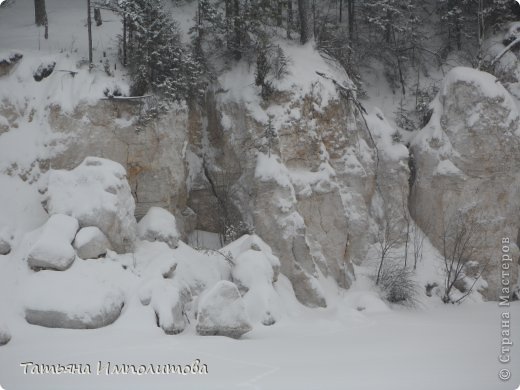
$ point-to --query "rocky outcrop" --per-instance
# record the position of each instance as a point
(151, 150)
(8, 63)
(316, 192)
(467, 162)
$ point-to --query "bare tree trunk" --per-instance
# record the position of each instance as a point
(89, 29)
(40, 16)
(303, 13)
(40, 13)
(340, 11)
(289, 18)
(238, 32)
(124, 38)
(351, 19)
(279, 14)
(97, 17)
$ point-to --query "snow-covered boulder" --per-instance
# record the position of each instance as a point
(53, 249)
(254, 272)
(5, 335)
(8, 61)
(77, 301)
(466, 161)
(91, 243)
(159, 225)
(222, 312)
(96, 193)
(168, 299)
(5, 242)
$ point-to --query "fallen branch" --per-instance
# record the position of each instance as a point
(507, 48)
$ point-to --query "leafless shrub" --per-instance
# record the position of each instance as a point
(397, 285)
(461, 235)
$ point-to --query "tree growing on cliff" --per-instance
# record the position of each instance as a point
(157, 60)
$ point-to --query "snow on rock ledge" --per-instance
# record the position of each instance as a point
(96, 193)
(58, 300)
(53, 249)
(159, 225)
(222, 312)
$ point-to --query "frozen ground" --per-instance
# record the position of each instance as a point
(445, 348)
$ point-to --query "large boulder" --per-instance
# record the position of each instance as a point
(222, 312)
(53, 249)
(91, 243)
(467, 164)
(159, 225)
(5, 335)
(97, 194)
(76, 301)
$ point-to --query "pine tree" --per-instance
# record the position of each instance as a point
(157, 60)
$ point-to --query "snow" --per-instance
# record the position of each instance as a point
(168, 302)
(486, 82)
(447, 168)
(53, 249)
(158, 225)
(391, 350)
(382, 132)
(222, 312)
(90, 243)
(270, 168)
(77, 295)
(97, 194)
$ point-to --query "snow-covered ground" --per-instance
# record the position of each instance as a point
(449, 347)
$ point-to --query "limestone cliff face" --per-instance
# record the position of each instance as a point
(314, 193)
(152, 152)
(468, 159)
